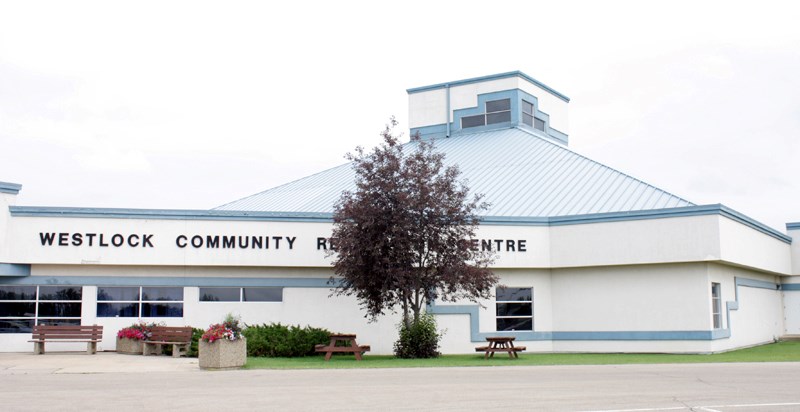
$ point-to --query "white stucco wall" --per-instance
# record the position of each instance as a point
(795, 251)
(743, 245)
(676, 239)
(631, 298)
(791, 309)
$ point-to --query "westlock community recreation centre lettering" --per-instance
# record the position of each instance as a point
(265, 242)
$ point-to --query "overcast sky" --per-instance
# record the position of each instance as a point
(190, 105)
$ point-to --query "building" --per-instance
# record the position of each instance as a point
(591, 259)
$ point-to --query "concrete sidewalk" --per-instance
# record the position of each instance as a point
(81, 362)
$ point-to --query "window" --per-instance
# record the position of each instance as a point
(139, 302)
(21, 307)
(529, 116)
(497, 111)
(538, 124)
(716, 305)
(514, 309)
(267, 294)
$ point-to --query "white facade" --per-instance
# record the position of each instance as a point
(630, 279)
(619, 286)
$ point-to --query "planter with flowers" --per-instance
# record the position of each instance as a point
(129, 340)
(223, 345)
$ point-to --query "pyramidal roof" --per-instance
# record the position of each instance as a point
(521, 174)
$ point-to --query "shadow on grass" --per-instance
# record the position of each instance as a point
(776, 352)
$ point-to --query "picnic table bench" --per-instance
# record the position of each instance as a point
(500, 344)
(350, 346)
(66, 333)
(180, 337)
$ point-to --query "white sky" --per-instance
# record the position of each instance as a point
(190, 105)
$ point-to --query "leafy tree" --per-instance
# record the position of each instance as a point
(402, 237)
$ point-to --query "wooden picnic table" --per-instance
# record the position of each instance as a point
(500, 344)
(350, 346)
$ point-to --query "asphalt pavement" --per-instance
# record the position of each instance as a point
(110, 381)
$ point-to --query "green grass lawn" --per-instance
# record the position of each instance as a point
(776, 352)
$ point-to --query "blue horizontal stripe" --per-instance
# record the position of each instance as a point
(702, 210)
(12, 188)
(793, 226)
(166, 214)
(790, 286)
(11, 269)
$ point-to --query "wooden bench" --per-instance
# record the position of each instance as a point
(350, 346)
(66, 333)
(180, 337)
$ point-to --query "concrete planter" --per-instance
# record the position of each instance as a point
(129, 346)
(223, 354)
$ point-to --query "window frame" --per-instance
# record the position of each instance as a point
(716, 305)
(486, 115)
(36, 301)
(505, 302)
(140, 302)
(242, 294)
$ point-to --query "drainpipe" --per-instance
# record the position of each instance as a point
(447, 90)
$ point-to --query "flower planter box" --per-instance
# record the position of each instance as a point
(129, 346)
(222, 354)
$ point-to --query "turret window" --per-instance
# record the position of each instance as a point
(529, 118)
(497, 111)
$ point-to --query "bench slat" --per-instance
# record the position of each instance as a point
(350, 349)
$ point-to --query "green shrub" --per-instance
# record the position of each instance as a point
(420, 340)
(196, 334)
(276, 340)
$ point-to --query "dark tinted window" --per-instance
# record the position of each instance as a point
(60, 310)
(498, 105)
(17, 292)
(162, 293)
(162, 310)
(501, 117)
(527, 107)
(514, 324)
(59, 322)
(538, 123)
(263, 294)
(514, 309)
(13, 309)
(472, 121)
(16, 325)
(527, 119)
(219, 294)
(60, 292)
(122, 310)
(117, 293)
(514, 294)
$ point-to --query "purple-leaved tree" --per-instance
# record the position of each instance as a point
(402, 236)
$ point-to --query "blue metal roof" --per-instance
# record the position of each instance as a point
(520, 173)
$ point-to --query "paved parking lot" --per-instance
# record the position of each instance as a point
(57, 381)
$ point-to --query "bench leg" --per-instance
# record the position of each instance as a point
(38, 348)
(179, 349)
(91, 348)
(152, 349)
